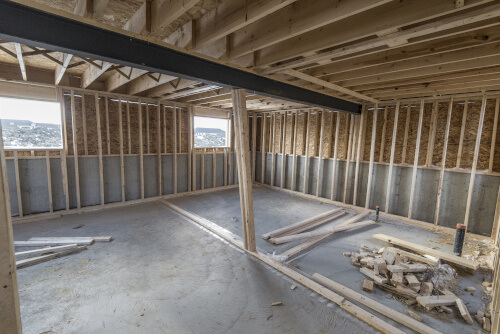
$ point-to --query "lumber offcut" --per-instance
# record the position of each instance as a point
(42, 251)
(374, 305)
(41, 243)
(426, 250)
(43, 258)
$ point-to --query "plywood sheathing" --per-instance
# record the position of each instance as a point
(289, 134)
(327, 135)
(470, 134)
(343, 135)
(442, 114)
(483, 159)
(455, 128)
(259, 133)
(391, 111)
(496, 159)
(398, 151)
(301, 121)
(368, 137)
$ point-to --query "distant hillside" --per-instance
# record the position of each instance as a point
(28, 134)
(209, 130)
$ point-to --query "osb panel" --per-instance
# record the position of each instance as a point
(277, 132)
(125, 122)
(327, 135)
(134, 127)
(153, 129)
(169, 117)
(91, 125)
(114, 125)
(469, 142)
(333, 119)
(400, 134)
(389, 129)
(67, 115)
(301, 124)
(343, 135)
(368, 135)
(412, 133)
(289, 134)
(313, 133)
(454, 138)
(425, 133)
(496, 156)
(483, 160)
(102, 120)
(258, 144)
(184, 117)
(442, 117)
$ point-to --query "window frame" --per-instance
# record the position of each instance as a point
(228, 132)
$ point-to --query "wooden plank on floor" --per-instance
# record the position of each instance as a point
(43, 258)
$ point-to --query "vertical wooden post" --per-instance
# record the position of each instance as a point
(158, 149)
(348, 157)
(99, 147)
(462, 134)
(191, 166)
(202, 171)
(49, 180)
(494, 136)
(372, 156)
(9, 292)
(358, 154)
(391, 163)
(214, 167)
(474, 163)
(18, 185)
(263, 150)
(84, 125)
(496, 226)
(405, 140)
(382, 142)
(283, 153)
(443, 166)
(294, 161)
(432, 135)
(64, 151)
(273, 159)
(254, 145)
(319, 181)
(225, 166)
(122, 162)
(306, 155)
(108, 139)
(141, 150)
(415, 161)
(75, 149)
(129, 139)
(147, 128)
(335, 152)
(174, 139)
(244, 174)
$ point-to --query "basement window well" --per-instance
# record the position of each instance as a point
(211, 132)
(30, 124)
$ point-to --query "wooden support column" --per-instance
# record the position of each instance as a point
(174, 139)
(494, 136)
(202, 170)
(214, 167)
(432, 135)
(294, 159)
(273, 159)
(415, 161)
(319, 181)
(191, 167)
(306, 156)
(335, 151)
(158, 148)
(75, 149)
(391, 162)
(9, 295)
(141, 150)
(372, 157)
(84, 125)
(254, 146)
(122, 162)
(358, 154)
(64, 151)
(405, 140)
(49, 180)
(244, 173)
(443, 161)
(263, 150)
(474, 163)
(18, 185)
(108, 139)
(147, 129)
(382, 142)
(348, 157)
(99, 147)
(129, 146)
(283, 153)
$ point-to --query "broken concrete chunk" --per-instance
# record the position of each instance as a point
(389, 257)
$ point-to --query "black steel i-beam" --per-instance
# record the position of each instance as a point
(30, 26)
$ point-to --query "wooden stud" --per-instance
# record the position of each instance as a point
(129, 151)
(283, 153)
(122, 162)
(75, 150)
(18, 185)
(306, 156)
(432, 135)
(273, 159)
(496, 224)
(358, 154)
(9, 292)
(164, 129)
(319, 181)
(147, 129)
(64, 151)
(294, 160)
(214, 167)
(225, 166)
(346, 134)
(158, 148)
(462, 134)
(391, 163)
(141, 150)
(202, 168)
(372, 156)
(263, 150)
(191, 167)
(335, 150)
(474, 163)
(382, 143)
(348, 159)
(108, 139)
(405, 140)
(494, 136)
(254, 146)
(49, 180)
(174, 148)
(415, 161)
(244, 175)
(99, 147)
(443, 166)
(84, 125)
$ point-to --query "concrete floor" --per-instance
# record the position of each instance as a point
(164, 274)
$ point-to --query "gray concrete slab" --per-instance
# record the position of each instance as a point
(163, 274)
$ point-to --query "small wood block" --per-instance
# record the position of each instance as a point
(479, 320)
(426, 288)
(397, 279)
(470, 289)
(372, 275)
(446, 309)
(347, 254)
(293, 287)
(410, 301)
(414, 315)
(368, 285)
(412, 280)
(396, 269)
(389, 257)
(434, 301)
(464, 311)
(398, 260)
(276, 304)
(487, 324)
(414, 268)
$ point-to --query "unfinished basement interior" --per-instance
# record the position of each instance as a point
(237, 166)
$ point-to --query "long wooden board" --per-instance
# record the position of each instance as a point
(426, 250)
(42, 251)
(43, 258)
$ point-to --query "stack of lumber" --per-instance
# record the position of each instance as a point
(54, 247)
(402, 274)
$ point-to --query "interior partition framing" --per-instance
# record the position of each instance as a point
(419, 160)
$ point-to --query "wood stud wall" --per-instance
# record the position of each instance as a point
(423, 134)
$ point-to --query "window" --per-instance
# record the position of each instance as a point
(30, 124)
(210, 132)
